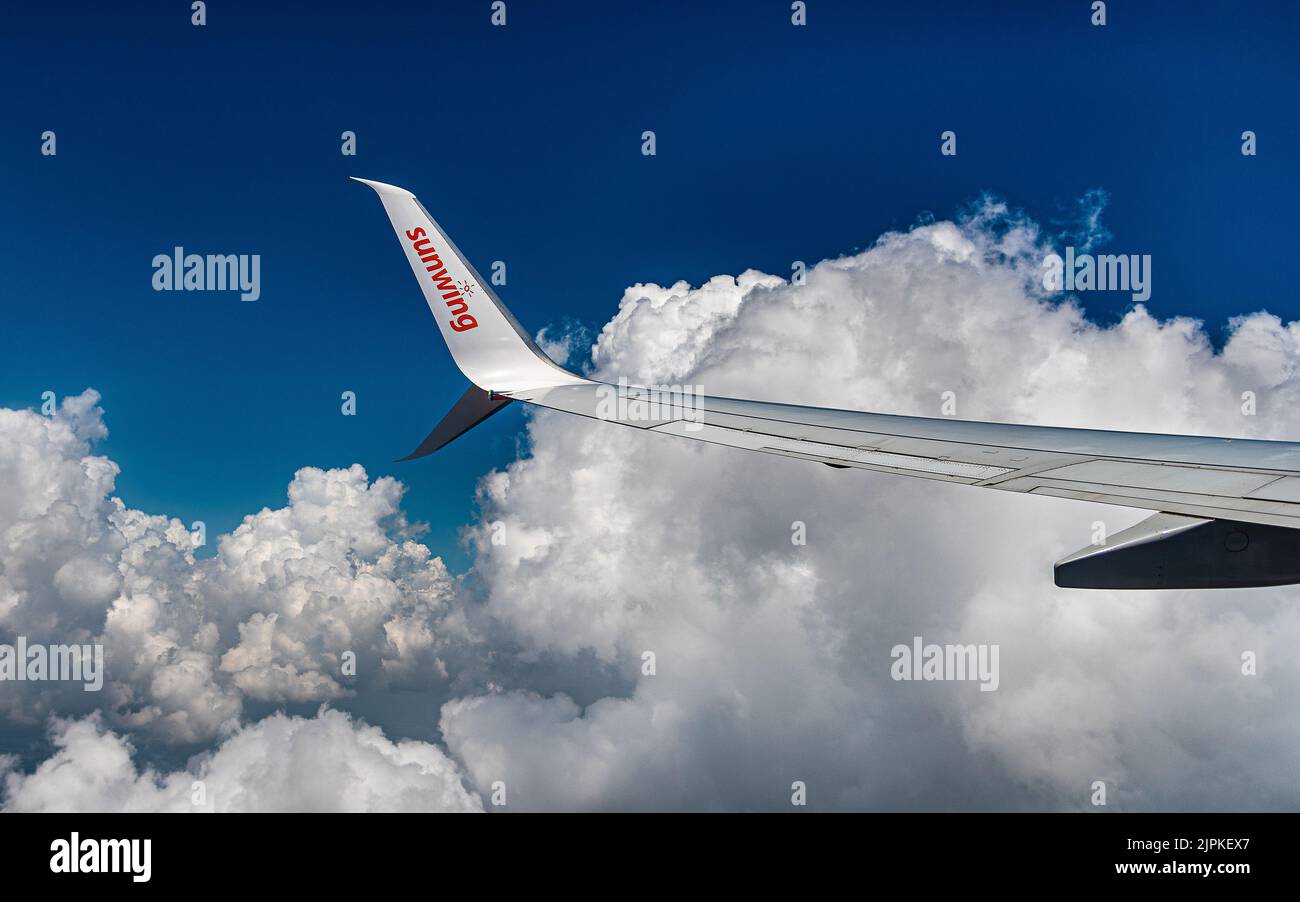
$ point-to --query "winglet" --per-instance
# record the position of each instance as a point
(485, 340)
(475, 406)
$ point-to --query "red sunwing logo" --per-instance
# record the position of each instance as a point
(455, 295)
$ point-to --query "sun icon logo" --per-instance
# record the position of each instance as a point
(466, 288)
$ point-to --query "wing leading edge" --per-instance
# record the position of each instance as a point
(1251, 488)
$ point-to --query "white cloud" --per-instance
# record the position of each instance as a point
(270, 617)
(324, 763)
(773, 659)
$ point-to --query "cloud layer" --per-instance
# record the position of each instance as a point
(771, 660)
(324, 763)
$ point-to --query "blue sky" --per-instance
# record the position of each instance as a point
(775, 144)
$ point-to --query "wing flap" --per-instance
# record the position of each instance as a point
(1169, 477)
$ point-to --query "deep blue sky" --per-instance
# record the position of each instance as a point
(775, 143)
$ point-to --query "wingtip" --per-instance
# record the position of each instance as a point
(382, 188)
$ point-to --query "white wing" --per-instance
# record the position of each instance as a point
(1229, 508)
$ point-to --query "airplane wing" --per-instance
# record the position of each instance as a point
(1227, 510)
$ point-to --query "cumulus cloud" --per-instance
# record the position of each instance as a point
(291, 596)
(648, 635)
(773, 658)
(323, 763)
